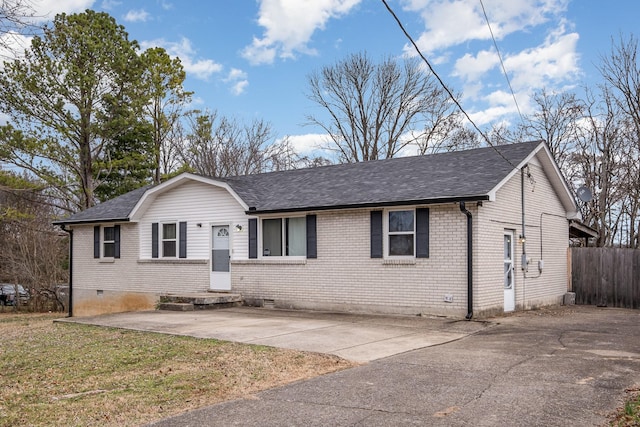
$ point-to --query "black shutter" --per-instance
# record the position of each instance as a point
(116, 241)
(154, 240)
(253, 238)
(422, 233)
(96, 241)
(312, 240)
(182, 251)
(376, 234)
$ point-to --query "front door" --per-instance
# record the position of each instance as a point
(509, 282)
(220, 275)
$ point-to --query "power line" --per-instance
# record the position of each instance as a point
(504, 70)
(444, 86)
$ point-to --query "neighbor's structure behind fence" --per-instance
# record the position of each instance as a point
(606, 276)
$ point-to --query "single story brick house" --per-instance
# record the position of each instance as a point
(473, 232)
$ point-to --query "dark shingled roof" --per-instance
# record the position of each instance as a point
(116, 209)
(458, 175)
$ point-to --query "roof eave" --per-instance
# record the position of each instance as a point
(432, 201)
(90, 221)
(577, 229)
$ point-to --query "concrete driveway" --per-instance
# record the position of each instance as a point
(360, 338)
(568, 366)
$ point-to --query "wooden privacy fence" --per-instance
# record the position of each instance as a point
(606, 276)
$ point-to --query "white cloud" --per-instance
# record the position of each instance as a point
(110, 4)
(46, 10)
(553, 61)
(238, 81)
(453, 22)
(140, 15)
(12, 46)
(197, 67)
(537, 45)
(492, 114)
(311, 144)
(43, 11)
(4, 119)
(289, 25)
(471, 67)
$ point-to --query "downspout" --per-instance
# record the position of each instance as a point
(464, 210)
(70, 268)
(523, 239)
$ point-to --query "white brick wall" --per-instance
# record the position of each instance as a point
(345, 277)
(531, 288)
(128, 277)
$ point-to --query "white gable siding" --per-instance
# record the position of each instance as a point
(196, 203)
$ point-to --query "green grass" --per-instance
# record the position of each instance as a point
(76, 375)
(629, 414)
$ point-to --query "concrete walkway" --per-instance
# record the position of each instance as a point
(360, 338)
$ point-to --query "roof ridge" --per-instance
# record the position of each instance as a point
(372, 163)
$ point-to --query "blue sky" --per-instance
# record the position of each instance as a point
(250, 59)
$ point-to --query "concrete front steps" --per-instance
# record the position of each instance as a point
(199, 301)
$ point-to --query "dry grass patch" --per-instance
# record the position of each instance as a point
(69, 374)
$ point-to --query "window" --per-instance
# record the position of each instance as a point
(106, 241)
(284, 236)
(401, 233)
(169, 240)
(109, 242)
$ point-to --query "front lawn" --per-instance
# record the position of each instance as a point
(75, 375)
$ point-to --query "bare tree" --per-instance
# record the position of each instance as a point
(621, 71)
(219, 146)
(597, 163)
(33, 252)
(377, 110)
(554, 122)
(17, 19)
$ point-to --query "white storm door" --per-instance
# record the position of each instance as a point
(509, 276)
(220, 275)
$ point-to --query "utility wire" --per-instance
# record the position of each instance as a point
(444, 86)
(504, 70)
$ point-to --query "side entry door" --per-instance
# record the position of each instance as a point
(509, 272)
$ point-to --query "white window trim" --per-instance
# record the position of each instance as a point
(386, 234)
(161, 239)
(283, 237)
